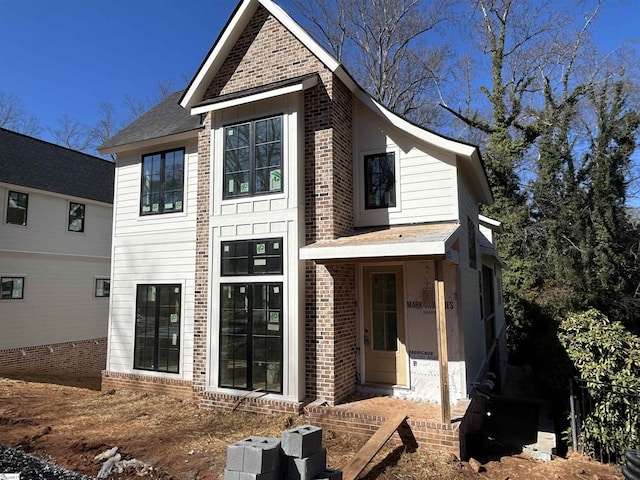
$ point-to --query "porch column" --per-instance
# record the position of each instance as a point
(443, 354)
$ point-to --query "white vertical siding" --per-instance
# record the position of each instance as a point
(155, 249)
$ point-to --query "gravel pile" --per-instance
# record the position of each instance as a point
(33, 468)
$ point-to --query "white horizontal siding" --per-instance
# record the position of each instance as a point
(47, 226)
(59, 303)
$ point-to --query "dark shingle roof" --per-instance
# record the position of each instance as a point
(166, 118)
(34, 163)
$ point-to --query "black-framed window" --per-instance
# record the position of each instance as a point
(162, 188)
(76, 217)
(253, 158)
(103, 287)
(17, 206)
(471, 238)
(157, 332)
(251, 336)
(252, 257)
(380, 180)
(11, 288)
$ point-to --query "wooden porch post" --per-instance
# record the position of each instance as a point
(443, 354)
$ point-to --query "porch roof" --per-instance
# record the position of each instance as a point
(393, 241)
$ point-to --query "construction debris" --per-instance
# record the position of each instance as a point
(114, 463)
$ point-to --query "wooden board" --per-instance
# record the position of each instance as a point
(373, 446)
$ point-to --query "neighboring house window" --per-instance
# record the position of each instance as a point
(253, 158)
(162, 182)
(76, 217)
(17, 206)
(488, 306)
(103, 287)
(252, 257)
(471, 237)
(380, 180)
(12, 288)
(251, 336)
(157, 332)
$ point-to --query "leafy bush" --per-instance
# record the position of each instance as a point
(607, 358)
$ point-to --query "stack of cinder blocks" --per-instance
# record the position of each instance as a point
(298, 456)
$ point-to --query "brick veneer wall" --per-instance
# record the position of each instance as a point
(266, 52)
(82, 357)
(147, 383)
(247, 403)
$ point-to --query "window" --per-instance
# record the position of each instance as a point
(488, 306)
(103, 287)
(12, 288)
(252, 257)
(76, 217)
(251, 336)
(380, 180)
(17, 208)
(162, 182)
(253, 158)
(157, 332)
(471, 237)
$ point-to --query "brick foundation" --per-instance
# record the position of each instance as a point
(247, 403)
(82, 357)
(146, 383)
(429, 434)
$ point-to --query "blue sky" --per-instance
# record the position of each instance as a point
(64, 57)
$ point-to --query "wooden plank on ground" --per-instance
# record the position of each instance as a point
(372, 447)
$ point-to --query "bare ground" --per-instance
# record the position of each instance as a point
(69, 425)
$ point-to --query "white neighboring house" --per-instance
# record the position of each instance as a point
(55, 250)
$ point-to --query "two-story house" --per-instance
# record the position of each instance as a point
(281, 236)
(55, 257)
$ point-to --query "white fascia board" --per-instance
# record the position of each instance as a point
(215, 55)
(299, 87)
(148, 143)
(490, 223)
(409, 249)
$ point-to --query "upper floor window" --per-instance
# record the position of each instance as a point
(76, 217)
(253, 158)
(162, 182)
(252, 257)
(380, 180)
(12, 288)
(17, 206)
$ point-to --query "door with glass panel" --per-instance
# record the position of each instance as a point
(385, 350)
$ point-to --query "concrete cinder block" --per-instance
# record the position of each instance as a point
(235, 457)
(302, 441)
(231, 474)
(329, 475)
(308, 467)
(259, 476)
(261, 455)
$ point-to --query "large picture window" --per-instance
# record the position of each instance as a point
(157, 332)
(162, 182)
(252, 257)
(251, 336)
(17, 206)
(253, 158)
(380, 180)
(76, 217)
(12, 288)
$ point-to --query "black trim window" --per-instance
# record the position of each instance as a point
(471, 238)
(251, 336)
(253, 158)
(252, 257)
(162, 188)
(12, 288)
(76, 217)
(380, 180)
(17, 206)
(103, 287)
(157, 333)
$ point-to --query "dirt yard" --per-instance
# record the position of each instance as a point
(70, 425)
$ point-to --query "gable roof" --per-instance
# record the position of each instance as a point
(167, 118)
(30, 162)
(240, 18)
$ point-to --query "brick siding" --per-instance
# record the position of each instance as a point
(147, 383)
(82, 357)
